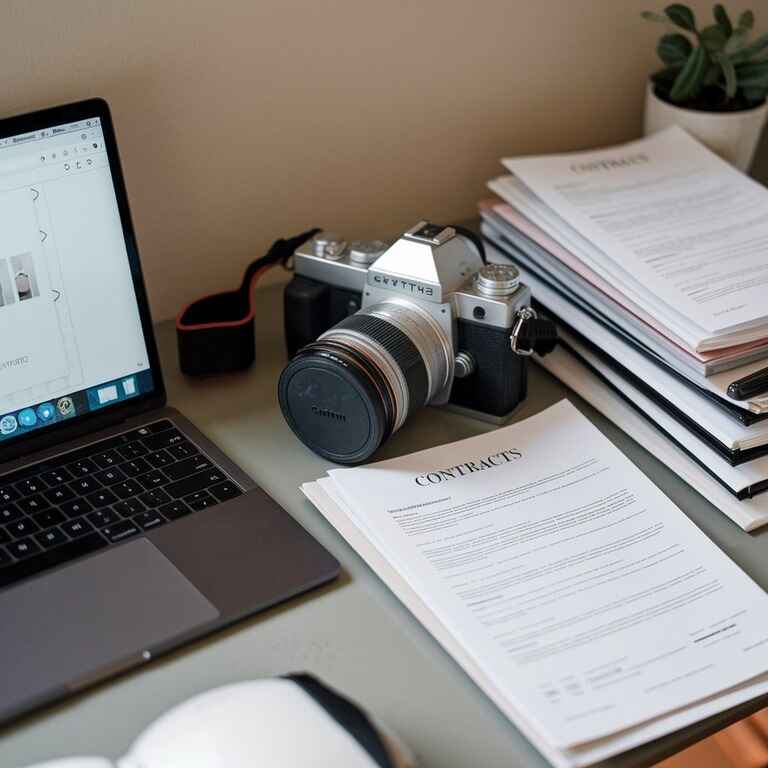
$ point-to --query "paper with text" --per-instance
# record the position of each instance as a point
(676, 219)
(591, 599)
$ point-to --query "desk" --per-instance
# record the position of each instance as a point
(354, 634)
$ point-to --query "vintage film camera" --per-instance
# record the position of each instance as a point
(376, 332)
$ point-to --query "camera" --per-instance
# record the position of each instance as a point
(377, 331)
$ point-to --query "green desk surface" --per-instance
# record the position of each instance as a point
(354, 634)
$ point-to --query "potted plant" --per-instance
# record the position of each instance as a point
(714, 82)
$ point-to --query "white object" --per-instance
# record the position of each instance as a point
(588, 287)
(732, 135)
(513, 566)
(657, 217)
(256, 724)
(129, 386)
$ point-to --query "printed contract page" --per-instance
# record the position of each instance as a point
(68, 313)
(575, 584)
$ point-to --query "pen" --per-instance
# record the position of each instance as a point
(754, 384)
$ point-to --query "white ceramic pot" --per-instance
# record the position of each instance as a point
(733, 135)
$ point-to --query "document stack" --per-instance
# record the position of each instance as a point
(653, 259)
(584, 603)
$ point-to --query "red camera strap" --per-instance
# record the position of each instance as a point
(215, 333)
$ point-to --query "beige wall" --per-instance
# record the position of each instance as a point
(244, 120)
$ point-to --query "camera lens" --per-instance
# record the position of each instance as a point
(344, 394)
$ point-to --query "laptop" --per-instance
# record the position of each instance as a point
(124, 531)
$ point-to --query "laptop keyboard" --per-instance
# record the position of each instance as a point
(85, 500)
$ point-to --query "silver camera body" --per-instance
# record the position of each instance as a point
(434, 272)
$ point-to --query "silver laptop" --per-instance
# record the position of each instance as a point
(123, 530)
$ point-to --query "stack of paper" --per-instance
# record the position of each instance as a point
(651, 256)
(575, 594)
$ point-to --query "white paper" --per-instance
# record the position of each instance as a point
(749, 514)
(515, 231)
(324, 495)
(559, 569)
(731, 433)
(677, 221)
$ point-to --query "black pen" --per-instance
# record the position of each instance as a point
(754, 384)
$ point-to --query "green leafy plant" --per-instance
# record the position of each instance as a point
(717, 68)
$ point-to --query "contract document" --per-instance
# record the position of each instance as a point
(669, 222)
(588, 605)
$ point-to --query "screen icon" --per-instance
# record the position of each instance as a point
(27, 418)
(107, 394)
(129, 386)
(65, 406)
(8, 425)
(45, 411)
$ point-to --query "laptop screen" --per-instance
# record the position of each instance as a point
(71, 339)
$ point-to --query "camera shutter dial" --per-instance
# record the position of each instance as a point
(497, 280)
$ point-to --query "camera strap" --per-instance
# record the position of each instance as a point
(215, 333)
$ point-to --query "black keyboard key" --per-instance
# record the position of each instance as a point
(76, 528)
(101, 498)
(194, 483)
(82, 468)
(200, 500)
(110, 476)
(128, 508)
(122, 530)
(147, 520)
(32, 504)
(30, 485)
(23, 548)
(160, 426)
(132, 450)
(51, 558)
(56, 476)
(188, 467)
(107, 459)
(22, 527)
(59, 495)
(5, 558)
(48, 517)
(163, 439)
(175, 510)
(152, 499)
(9, 513)
(135, 467)
(5, 537)
(182, 450)
(127, 489)
(7, 494)
(153, 479)
(225, 491)
(51, 538)
(159, 459)
(85, 485)
(102, 517)
(76, 508)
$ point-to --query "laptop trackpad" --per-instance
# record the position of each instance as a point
(91, 618)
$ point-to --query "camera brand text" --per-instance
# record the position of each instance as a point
(407, 286)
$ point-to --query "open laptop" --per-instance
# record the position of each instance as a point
(123, 530)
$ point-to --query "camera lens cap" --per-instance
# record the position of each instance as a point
(333, 407)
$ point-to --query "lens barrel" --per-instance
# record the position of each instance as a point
(344, 394)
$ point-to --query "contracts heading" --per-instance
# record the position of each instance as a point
(468, 467)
